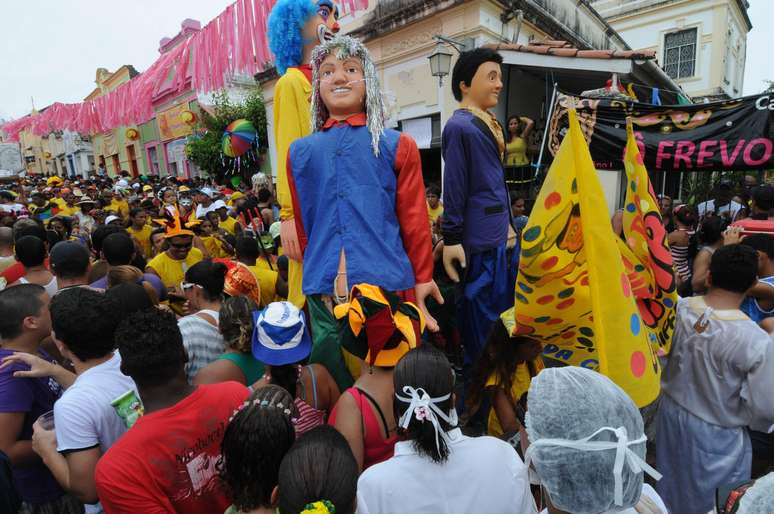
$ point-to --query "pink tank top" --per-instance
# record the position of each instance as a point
(376, 449)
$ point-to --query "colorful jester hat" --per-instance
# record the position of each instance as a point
(377, 326)
(172, 225)
(346, 47)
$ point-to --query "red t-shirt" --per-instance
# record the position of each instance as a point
(167, 462)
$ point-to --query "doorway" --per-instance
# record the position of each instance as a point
(116, 164)
(132, 161)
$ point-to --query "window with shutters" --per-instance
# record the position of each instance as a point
(680, 53)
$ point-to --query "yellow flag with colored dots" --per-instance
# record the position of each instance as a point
(646, 255)
(572, 290)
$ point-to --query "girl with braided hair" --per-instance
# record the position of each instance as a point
(257, 438)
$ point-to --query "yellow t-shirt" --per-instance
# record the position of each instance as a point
(214, 247)
(59, 203)
(171, 271)
(520, 381)
(436, 213)
(229, 225)
(121, 207)
(66, 210)
(516, 152)
(268, 282)
(143, 236)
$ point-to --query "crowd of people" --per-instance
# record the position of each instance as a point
(150, 360)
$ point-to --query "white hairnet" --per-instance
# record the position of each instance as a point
(582, 428)
(759, 499)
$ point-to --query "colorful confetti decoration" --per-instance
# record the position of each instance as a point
(572, 290)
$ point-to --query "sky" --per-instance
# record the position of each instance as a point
(51, 49)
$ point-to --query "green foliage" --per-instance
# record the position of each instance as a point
(205, 150)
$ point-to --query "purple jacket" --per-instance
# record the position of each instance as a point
(476, 209)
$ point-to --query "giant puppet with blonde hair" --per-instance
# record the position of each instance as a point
(295, 27)
(357, 196)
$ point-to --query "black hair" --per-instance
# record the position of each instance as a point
(734, 268)
(16, 303)
(151, 347)
(433, 189)
(118, 248)
(101, 232)
(29, 229)
(30, 251)
(427, 368)
(282, 262)
(685, 215)
(210, 275)
(247, 248)
(320, 466)
(467, 65)
(84, 320)
(711, 230)
(128, 299)
(75, 266)
(52, 238)
(286, 377)
(761, 243)
(135, 211)
(263, 195)
(255, 441)
(763, 196)
(500, 356)
(508, 124)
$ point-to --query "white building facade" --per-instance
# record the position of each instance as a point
(701, 44)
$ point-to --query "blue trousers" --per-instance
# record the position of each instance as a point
(486, 292)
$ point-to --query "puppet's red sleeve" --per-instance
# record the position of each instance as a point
(411, 208)
(295, 204)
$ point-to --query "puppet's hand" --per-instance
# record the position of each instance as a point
(423, 291)
(290, 244)
(451, 255)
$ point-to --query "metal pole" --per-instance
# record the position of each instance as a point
(545, 130)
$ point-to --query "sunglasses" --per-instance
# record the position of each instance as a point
(185, 286)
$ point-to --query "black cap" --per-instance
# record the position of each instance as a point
(70, 258)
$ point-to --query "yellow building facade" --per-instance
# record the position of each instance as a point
(118, 149)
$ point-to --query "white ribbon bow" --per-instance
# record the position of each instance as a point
(622, 454)
(423, 408)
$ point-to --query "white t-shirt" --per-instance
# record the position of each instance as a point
(201, 210)
(83, 416)
(482, 474)
(648, 492)
(709, 206)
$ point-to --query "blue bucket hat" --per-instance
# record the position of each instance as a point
(280, 336)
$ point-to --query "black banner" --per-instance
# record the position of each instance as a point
(731, 135)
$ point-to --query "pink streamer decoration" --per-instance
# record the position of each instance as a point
(234, 42)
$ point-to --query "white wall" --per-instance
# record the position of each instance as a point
(712, 18)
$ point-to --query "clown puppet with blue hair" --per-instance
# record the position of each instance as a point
(295, 27)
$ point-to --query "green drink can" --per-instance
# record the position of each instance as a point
(129, 407)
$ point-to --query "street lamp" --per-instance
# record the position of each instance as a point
(440, 59)
(440, 62)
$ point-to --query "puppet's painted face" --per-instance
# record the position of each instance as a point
(342, 85)
(323, 25)
(484, 90)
